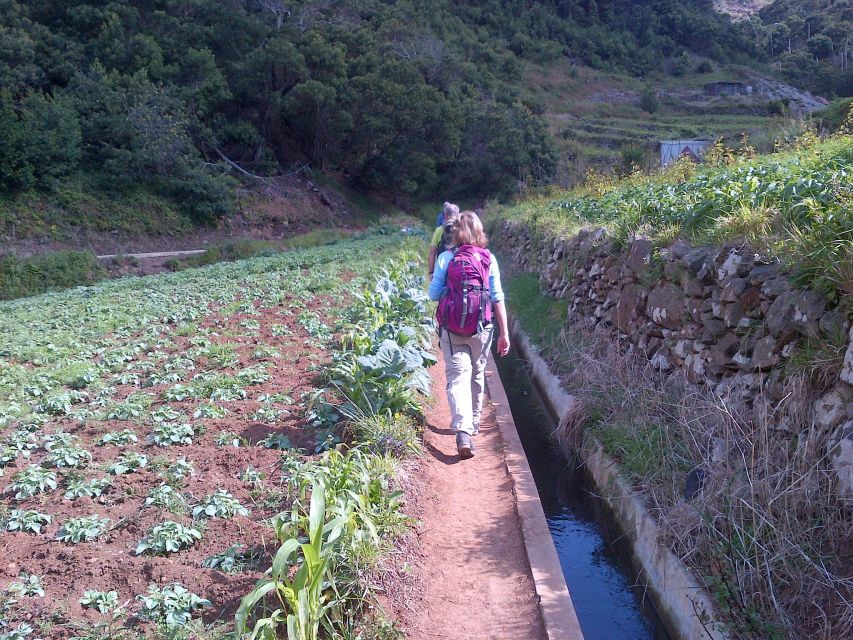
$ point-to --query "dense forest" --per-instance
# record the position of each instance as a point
(810, 42)
(413, 97)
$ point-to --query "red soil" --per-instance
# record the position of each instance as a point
(110, 563)
(474, 578)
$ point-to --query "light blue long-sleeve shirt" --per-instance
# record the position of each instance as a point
(439, 277)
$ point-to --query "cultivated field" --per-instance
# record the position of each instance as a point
(161, 436)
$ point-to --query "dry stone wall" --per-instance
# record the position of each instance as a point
(723, 315)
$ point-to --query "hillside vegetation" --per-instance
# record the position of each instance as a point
(103, 102)
(795, 205)
(808, 41)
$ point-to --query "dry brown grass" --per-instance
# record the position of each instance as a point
(766, 532)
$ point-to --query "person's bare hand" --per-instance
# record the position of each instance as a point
(503, 346)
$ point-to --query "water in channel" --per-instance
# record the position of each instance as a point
(596, 566)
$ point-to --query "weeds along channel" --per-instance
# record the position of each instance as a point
(219, 447)
(761, 527)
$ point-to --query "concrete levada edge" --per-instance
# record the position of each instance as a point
(555, 602)
(682, 603)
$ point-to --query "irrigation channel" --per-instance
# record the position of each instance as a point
(609, 601)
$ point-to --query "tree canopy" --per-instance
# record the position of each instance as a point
(409, 96)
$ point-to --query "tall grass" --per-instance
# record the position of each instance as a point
(21, 277)
(796, 205)
(767, 532)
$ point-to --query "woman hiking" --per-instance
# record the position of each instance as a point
(440, 238)
(467, 285)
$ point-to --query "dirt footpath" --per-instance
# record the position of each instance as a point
(473, 573)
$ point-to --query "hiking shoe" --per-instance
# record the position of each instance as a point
(464, 445)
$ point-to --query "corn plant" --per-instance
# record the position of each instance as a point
(31, 481)
(82, 529)
(78, 487)
(168, 537)
(172, 605)
(220, 505)
(27, 521)
(302, 600)
(128, 462)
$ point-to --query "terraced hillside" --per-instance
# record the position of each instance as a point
(601, 119)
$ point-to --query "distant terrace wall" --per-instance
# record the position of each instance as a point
(723, 315)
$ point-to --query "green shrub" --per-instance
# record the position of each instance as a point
(227, 252)
(649, 100)
(21, 277)
(315, 238)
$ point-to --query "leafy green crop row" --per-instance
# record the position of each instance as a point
(315, 585)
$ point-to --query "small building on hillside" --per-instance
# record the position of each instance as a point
(672, 150)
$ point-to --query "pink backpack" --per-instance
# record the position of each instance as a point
(466, 307)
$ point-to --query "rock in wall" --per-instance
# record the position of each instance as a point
(726, 317)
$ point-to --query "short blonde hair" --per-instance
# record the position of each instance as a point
(467, 229)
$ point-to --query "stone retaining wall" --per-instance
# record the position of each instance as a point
(723, 315)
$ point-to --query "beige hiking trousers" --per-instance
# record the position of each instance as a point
(464, 366)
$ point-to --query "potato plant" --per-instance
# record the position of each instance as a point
(28, 585)
(165, 497)
(117, 438)
(167, 434)
(27, 521)
(235, 558)
(82, 529)
(179, 471)
(79, 487)
(102, 601)
(162, 356)
(168, 537)
(220, 505)
(32, 481)
(68, 457)
(172, 605)
(128, 462)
